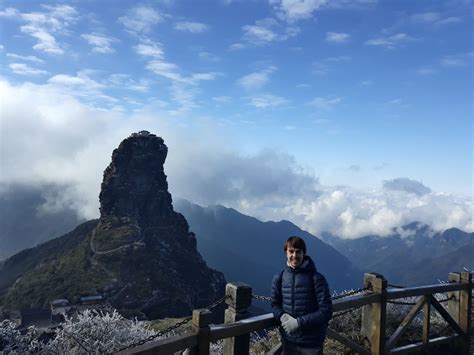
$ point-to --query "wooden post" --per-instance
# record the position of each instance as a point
(373, 316)
(366, 315)
(426, 319)
(201, 320)
(239, 298)
(453, 303)
(465, 303)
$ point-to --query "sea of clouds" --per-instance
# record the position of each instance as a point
(50, 137)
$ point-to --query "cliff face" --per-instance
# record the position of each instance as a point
(140, 252)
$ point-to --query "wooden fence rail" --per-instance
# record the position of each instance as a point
(238, 325)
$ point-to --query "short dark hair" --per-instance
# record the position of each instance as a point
(295, 242)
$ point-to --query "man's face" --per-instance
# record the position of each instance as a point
(295, 256)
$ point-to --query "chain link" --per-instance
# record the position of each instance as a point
(218, 302)
(262, 298)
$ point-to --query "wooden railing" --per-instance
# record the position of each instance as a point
(238, 326)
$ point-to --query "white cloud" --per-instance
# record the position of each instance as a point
(425, 17)
(194, 78)
(9, 12)
(325, 103)
(390, 42)
(150, 48)
(236, 46)
(338, 59)
(351, 4)
(43, 26)
(83, 87)
(256, 80)
(30, 58)
(258, 34)
(433, 18)
(407, 185)
(183, 88)
(367, 82)
(351, 213)
(319, 68)
(426, 71)
(395, 101)
(325, 65)
(208, 56)
(337, 37)
(222, 99)
(140, 19)
(266, 31)
(193, 27)
(267, 101)
(321, 121)
(79, 80)
(124, 81)
(25, 69)
(457, 60)
(100, 43)
(295, 10)
(167, 70)
(448, 21)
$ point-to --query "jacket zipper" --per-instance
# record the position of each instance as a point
(293, 295)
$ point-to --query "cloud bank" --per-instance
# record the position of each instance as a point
(49, 137)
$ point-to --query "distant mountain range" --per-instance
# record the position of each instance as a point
(249, 250)
(414, 255)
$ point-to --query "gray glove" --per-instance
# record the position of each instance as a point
(284, 317)
(290, 324)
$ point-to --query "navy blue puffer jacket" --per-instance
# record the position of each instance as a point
(304, 294)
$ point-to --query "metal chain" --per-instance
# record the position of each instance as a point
(218, 302)
(350, 293)
(413, 303)
(160, 333)
(172, 327)
(262, 298)
(345, 294)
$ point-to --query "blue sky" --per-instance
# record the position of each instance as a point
(351, 97)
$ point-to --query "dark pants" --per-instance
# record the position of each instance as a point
(293, 349)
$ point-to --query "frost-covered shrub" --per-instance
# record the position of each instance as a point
(12, 341)
(92, 331)
(88, 332)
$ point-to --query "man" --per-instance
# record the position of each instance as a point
(301, 301)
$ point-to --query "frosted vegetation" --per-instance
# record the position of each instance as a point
(94, 332)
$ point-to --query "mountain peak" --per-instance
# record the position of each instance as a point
(134, 185)
(140, 252)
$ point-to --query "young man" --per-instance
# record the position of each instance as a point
(301, 301)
